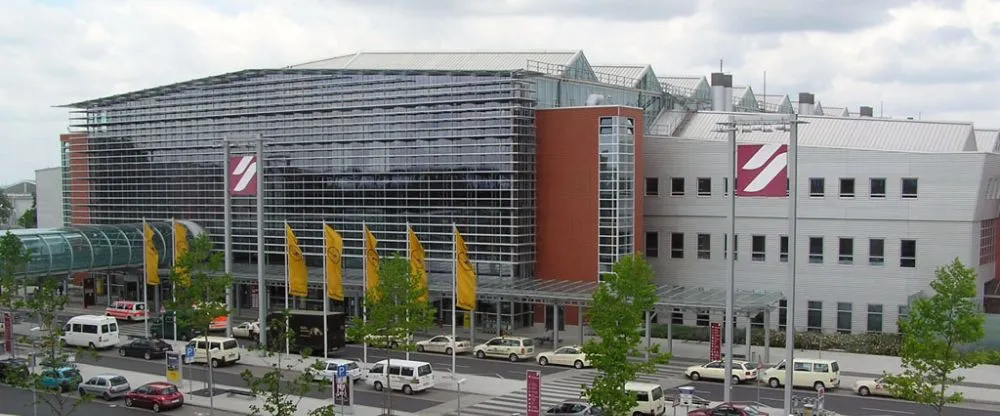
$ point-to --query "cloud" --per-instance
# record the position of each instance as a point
(932, 57)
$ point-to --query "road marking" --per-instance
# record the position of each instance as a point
(898, 412)
(501, 377)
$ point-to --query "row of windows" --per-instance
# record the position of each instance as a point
(758, 249)
(875, 321)
(987, 241)
(817, 187)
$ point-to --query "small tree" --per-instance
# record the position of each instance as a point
(933, 333)
(13, 258)
(617, 315)
(6, 208)
(30, 217)
(395, 310)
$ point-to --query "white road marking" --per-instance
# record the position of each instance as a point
(898, 412)
(501, 377)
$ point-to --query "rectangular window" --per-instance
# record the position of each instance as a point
(783, 249)
(725, 186)
(909, 188)
(904, 312)
(874, 318)
(817, 187)
(677, 186)
(876, 251)
(846, 251)
(876, 187)
(816, 249)
(814, 316)
(782, 314)
(847, 187)
(652, 186)
(677, 317)
(677, 245)
(844, 317)
(736, 247)
(702, 319)
(908, 253)
(705, 246)
(987, 241)
(758, 245)
(704, 186)
(652, 244)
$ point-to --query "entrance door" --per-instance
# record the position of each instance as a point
(549, 313)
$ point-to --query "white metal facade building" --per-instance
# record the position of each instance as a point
(882, 204)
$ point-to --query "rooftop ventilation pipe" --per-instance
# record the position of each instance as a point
(728, 79)
(718, 91)
(806, 102)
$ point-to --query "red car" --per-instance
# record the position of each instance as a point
(157, 396)
(728, 409)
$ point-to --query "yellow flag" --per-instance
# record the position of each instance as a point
(466, 278)
(418, 270)
(152, 257)
(181, 247)
(372, 272)
(334, 263)
(298, 274)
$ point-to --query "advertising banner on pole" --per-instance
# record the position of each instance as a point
(715, 348)
(175, 370)
(534, 393)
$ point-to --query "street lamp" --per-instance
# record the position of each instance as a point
(458, 384)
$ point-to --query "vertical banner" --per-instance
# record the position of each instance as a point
(466, 275)
(175, 372)
(334, 244)
(298, 273)
(151, 257)
(762, 170)
(715, 344)
(533, 393)
(243, 175)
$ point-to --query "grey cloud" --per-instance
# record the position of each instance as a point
(782, 16)
(635, 10)
(945, 55)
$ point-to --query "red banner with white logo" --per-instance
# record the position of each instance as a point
(762, 170)
(534, 393)
(243, 175)
(715, 348)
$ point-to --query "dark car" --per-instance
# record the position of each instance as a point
(156, 396)
(13, 370)
(575, 408)
(148, 348)
(728, 409)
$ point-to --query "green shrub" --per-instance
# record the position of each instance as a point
(861, 343)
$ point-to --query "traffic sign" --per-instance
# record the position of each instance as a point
(341, 371)
(533, 393)
(189, 353)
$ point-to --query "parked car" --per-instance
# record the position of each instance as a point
(13, 370)
(728, 409)
(148, 348)
(157, 396)
(511, 348)
(716, 370)
(569, 355)
(326, 370)
(62, 378)
(443, 343)
(249, 330)
(105, 386)
(575, 408)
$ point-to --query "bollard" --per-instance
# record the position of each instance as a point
(807, 410)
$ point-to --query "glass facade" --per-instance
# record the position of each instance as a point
(344, 147)
(617, 197)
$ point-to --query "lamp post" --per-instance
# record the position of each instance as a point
(458, 384)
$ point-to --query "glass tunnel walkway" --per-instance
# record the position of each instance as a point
(87, 248)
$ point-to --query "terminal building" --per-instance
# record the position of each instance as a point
(552, 167)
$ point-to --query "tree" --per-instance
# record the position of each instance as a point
(617, 315)
(30, 217)
(281, 395)
(13, 258)
(933, 334)
(6, 208)
(394, 311)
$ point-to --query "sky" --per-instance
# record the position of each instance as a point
(932, 59)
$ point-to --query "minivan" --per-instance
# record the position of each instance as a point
(90, 331)
(511, 348)
(811, 373)
(224, 350)
(407, 376)
(649, 398)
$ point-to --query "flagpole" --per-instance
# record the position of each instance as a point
(364, 287)
(326, 299)
(287, 280)
(173, 283)
(409, 257)
(454, 294)
(145, 277)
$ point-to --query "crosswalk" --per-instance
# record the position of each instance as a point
(560, 387)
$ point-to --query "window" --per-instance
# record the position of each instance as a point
(876, 251)
(817, 187)
(987, 241)
(652, 244)
(677, 245)
(677, 186)
(705, 246)
(904, 312)
(874, 318)
(736, 246)
(757, 248)
(909, 188)
(847, 187)
(846, 251)
(908, 253)
(844, 317)
(783, 249)
(876, 187)
(702, 319)
(677, 317)
(814, 316)
(704, 186)
(725, 186)
(652, 186)
(815, 249)
(782, 314)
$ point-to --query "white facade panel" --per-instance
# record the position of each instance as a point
(49, 198)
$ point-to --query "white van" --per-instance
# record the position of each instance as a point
(224, 350)
(649, 398)
(811, 373)
(405, 375)
(90, 331)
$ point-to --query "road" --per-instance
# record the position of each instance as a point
(842, 401)
(19, 402)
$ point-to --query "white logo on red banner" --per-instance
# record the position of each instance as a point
(763, 170)
(243, 175)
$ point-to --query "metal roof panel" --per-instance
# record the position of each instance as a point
(441, 61)
(987, 140)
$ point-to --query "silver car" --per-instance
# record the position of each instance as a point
(105, 386)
